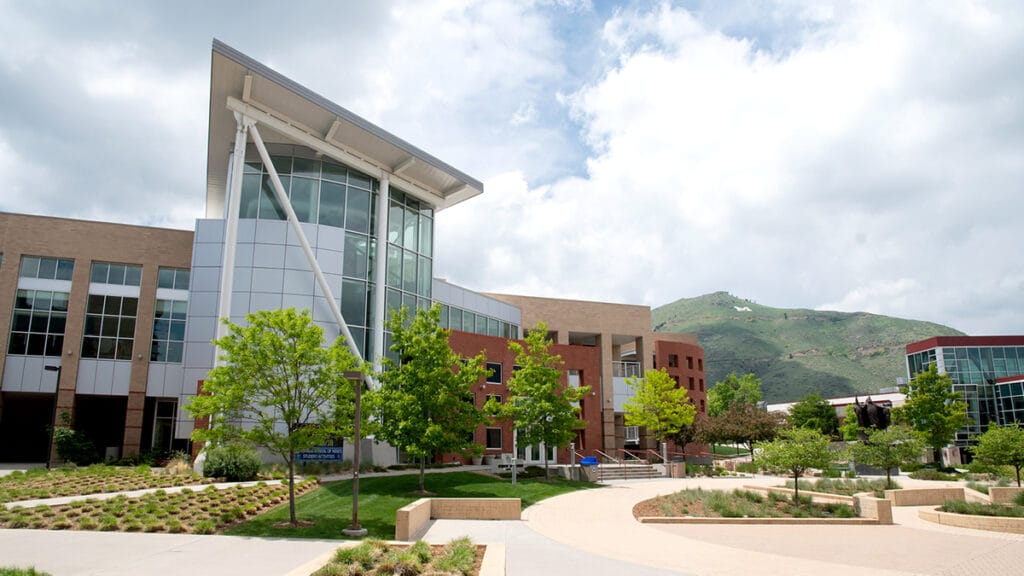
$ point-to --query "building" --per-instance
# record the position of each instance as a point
(308, 206)
(882, 398)
(987, 370)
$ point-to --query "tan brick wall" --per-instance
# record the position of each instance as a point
(868, 506)
(1003, 495)
(411, 519)
(990, 523)
(86, 242)
(923, 496)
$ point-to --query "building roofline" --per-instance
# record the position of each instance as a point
(347, 115)
(94, 222)
(941, 341)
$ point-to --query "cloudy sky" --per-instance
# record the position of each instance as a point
(856, 156)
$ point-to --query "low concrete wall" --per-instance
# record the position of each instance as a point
(990, 523)
(923, 496)
(776, 521)
(410, 520)
(867, 506)
(1003, 495)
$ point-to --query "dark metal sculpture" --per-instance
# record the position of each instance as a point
(871, 415)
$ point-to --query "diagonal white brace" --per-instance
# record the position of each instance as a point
(282, 198)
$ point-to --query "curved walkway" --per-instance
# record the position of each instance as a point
(600, 522)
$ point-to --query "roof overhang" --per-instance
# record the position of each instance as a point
(295, 115)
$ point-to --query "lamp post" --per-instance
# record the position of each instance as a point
(53, 417)
(355, 530)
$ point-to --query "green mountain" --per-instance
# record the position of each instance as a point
(796, 351)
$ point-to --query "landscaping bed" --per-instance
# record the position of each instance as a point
(204, 511)
(328, 508)
(70, 481)
(736, 504)
(845, 487)
(375, 557)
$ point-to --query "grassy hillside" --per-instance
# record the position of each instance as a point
(796, 351)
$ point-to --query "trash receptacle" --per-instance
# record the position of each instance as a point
(588, 461)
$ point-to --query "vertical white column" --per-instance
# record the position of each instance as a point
(233, 204)
(380, 271)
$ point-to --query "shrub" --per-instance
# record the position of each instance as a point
(205, 527)
(234, 463)
(459, 557)
(73, 446)
(1019, 499)
(22, 572)
(928, 474)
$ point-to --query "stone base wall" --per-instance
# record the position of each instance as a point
(923, 496)
(410, 520)
(1003, 495)
(991, 523)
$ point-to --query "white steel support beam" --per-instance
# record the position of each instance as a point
(234, 200)
(282, 198)
(310, 138)
(380, 272)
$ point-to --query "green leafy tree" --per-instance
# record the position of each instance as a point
(541, 408)
(890, 448)
(734, 389)
(849, 428)
(797, 450)
(1002, 446)
(744, 424)
(933, 409)
(813, 411)
(658, 404)
(425, 402)
(278, 387)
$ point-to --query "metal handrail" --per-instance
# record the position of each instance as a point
(603, 455)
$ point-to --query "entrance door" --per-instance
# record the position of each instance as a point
(534, 453)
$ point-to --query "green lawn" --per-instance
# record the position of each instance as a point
(330, 506)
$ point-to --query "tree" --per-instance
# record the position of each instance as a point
(541, 408)
(813, 411)
(658, 404)
(734, 389)
(278, 387)
(425, 402)
(933, 409)
(1002, 446)
(742, 424)
(797, 450)
(850, 427)
(890, 448)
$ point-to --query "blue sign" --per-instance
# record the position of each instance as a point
(321, 454)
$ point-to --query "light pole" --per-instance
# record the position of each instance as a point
(355, 530)
(53, 417)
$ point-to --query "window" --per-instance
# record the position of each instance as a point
(173, 278)
(691, 382)
(117, 274)
(700, 364)
(701, 381)
(689, 362)
(37, 326)
(673, 360)
(495, 397)
(168, 331)
(163, 424)
(109, 327)
(494, 438)
(632, 434)
(46, 268)
(494, 376)
(676, 380)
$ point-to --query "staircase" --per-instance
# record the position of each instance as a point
(627, 472)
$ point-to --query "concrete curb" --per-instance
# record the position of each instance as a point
(752, 521)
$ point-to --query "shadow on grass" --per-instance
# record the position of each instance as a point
(330, 506)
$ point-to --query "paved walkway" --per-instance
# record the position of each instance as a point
(588, 532)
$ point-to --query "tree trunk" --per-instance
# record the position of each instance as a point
(796, 488)
(547, 475)
(888, 478)
(291, 486)
(423, 472)
(1018, 474)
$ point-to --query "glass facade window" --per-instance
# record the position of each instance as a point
(38, 323)
(458, 319)
(494, 372)
(117, 274)
(168, 331)
(409, 249)
(173, 278)
(46, 268)
(109, 327)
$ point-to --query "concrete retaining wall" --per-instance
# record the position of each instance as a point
(991, 523)
(1003, 495)
(410, 520)
(923, 496)
(867, 506)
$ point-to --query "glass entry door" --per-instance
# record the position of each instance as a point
(534, 453)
